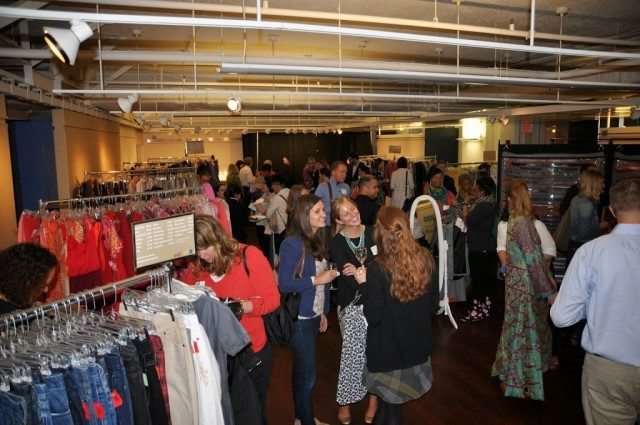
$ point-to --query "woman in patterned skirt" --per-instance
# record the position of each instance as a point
(525, 248)
(349, 236)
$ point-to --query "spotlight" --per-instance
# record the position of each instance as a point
(139, 119)
(64, 43)
(339, 131)
(635, 113)
(244, 131)
(234, 104)
(504, 120)
(146, 127)
(126, 103)
(197, 129)
(177, 127)
(267, 131)
(287, 131)
(164, 121)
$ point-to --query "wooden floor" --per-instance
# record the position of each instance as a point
(463, 391)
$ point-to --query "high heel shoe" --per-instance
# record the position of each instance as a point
(475, 314)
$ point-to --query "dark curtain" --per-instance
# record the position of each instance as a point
(443, 143)
(299, 147)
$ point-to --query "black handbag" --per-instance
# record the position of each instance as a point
(279, 323)
(408, 202)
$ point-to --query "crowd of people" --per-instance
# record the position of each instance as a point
(335, 228)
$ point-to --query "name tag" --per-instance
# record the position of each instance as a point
(374, 250)
(343, 191)
(445, 207)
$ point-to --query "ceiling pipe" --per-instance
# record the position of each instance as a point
(345, 95)
(205, 59)
(532, 23)
(346, 17)
(296, 27)
(415, 76)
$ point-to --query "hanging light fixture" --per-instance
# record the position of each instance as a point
(139, 119)
(504, 120)
(126, 103)
(234, 104)
(64, 43)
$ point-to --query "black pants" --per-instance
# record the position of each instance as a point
(260, 376)
(387, 413)
(136, 385)
(482, 265)
(155, 399)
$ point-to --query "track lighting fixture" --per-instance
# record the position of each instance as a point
(504, 120)
(164, 121)
(635, 113)
(234, 104)
(197, 129)
(491, 120)
(64, 43)
(126, 103)
(267, 131)
(244, 132)
(139, 119)
(287, 131)
(339, 131)
(177, 127)
(146, 127)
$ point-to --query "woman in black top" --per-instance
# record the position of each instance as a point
(350, 236)
(26, 270)
(400, 295)
(479, 213)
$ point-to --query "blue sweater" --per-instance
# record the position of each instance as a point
(290, 252)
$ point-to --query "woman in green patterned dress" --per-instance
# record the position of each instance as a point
(525, 249)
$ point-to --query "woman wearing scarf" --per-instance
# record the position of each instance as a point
(443, 197)
(479, 214)
(525, 249)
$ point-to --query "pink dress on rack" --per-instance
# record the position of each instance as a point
(53, 236)
(28, 228)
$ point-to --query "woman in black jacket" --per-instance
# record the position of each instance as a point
(479, 213)
(400, 295)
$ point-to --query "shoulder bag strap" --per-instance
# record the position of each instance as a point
(244, 260)
(406, 183)
(330, 192)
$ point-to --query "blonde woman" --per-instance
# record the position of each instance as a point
(585, 223)
(525, 248)
(350, 236)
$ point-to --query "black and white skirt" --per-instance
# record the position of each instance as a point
(352, 358)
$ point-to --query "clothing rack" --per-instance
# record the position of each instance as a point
(98, 200)
(140, 172)
(161, 275)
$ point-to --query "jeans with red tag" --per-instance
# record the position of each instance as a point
(119, 387)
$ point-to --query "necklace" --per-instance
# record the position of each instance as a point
(351, 245)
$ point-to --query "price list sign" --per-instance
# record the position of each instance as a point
(165, 239)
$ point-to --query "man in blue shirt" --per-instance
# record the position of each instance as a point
(334, 188)
(602, 285)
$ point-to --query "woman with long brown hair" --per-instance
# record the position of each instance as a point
(400, 295)
(241, 272)
(525, 249)
(304, 269)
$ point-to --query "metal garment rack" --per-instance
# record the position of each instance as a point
(98, 200)
(162, 274)
(148, 171)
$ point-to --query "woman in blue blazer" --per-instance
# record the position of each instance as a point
(303, 269)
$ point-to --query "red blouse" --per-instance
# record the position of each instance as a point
(260, 287)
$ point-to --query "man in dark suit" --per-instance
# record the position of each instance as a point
(352, 170)
(366, 199)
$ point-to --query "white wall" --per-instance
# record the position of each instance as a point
(226, 151)
(412, 146)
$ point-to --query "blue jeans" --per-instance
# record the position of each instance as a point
(104, 410)
(303, 379)
(118, 382)
(42, 405)
(75, 402)
(28, 393)
(58, 400)
(13, 409)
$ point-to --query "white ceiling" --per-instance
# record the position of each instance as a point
(384, 68)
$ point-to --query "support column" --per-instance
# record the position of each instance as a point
(8, 221)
